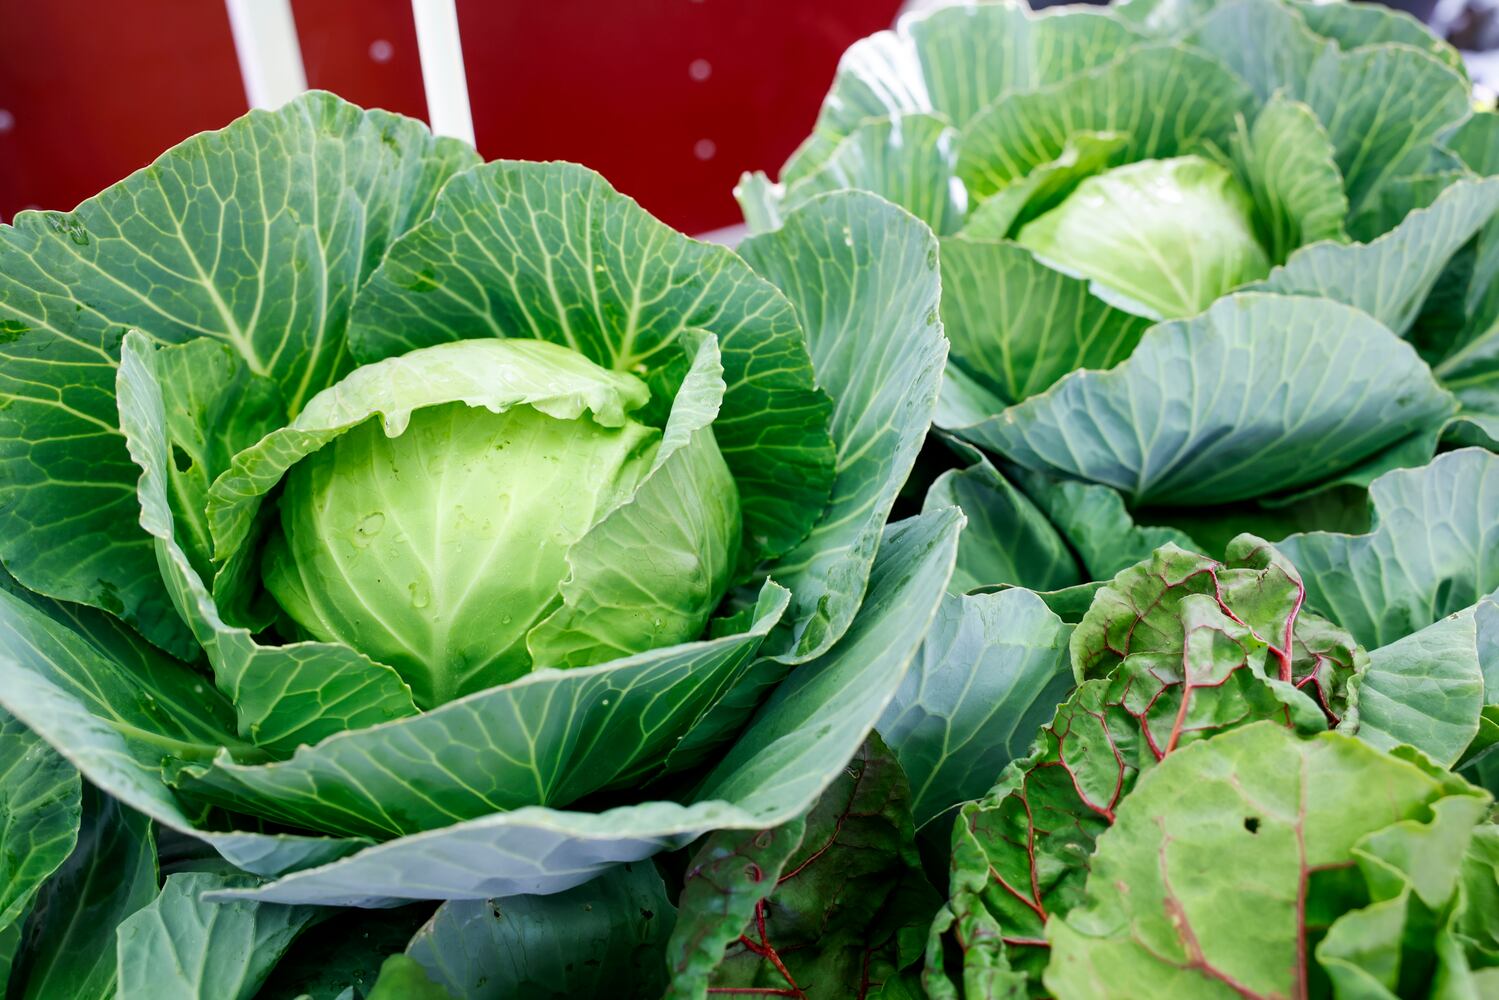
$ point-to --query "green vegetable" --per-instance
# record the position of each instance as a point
(384, 526)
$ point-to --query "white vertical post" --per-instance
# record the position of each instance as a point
(270, 58)
(442, 68)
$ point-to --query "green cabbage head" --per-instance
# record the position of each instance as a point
(437, 541)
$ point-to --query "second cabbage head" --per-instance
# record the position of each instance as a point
(1208, 267)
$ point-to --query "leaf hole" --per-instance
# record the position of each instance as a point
(181, 459)
(1252, 824)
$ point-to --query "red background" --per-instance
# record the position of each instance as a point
(97, 88)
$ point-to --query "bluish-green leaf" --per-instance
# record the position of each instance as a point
(1433, 550)
(862, 275)
(70, 935)
(1261, 393)
(606, 937)
(991, 673)
(40, 809)
(182, 946)
(1007, 539)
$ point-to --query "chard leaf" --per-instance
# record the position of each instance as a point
(1172, 652)
(727, 881)
(829, 916)
(1184, 421)
(606, 937)
(256, 236)
(790, 751)
(1276, 816)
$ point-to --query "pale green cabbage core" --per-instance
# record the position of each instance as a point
(436, 551)
(1163, 238)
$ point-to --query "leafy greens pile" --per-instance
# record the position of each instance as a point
(426, 578)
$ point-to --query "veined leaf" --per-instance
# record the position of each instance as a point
(862, 276)
(1275, 810)
(260, 233)
(791, 750)
(1433, 550)
(1260, 393)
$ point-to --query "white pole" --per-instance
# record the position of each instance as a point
(270, 59)
(442, 68)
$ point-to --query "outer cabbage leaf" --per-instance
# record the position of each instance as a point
(927, 63)
(991, 673)
(606, 937)
(122, 712)
(1391, 277)
(1433, 550)
(1017, 325)
(1260, 393)
(181, 946)
(256, 236)
(1427, 690)
(1384, 105)
(862, 276)
(908, 159)
(40, 809)
(1008, 540)
(1287, 159)
(70, 933)
(795, 745)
